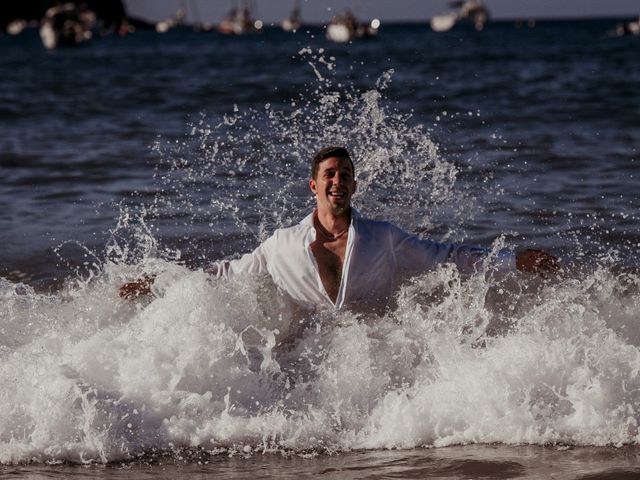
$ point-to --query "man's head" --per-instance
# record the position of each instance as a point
(327, 152)
(332, 180)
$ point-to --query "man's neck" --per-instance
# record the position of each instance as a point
(334, 224)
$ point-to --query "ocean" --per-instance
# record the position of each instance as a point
(156, 154)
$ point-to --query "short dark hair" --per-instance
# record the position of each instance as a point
(328, 152)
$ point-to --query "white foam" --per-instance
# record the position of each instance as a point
(92, 378)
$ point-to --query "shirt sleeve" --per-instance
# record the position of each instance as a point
(251, 263)
(413, 253)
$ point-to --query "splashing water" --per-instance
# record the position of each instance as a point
(208, 364)
(246, 175)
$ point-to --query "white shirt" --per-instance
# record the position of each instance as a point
(377, 255)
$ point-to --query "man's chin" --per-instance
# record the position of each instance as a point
(340, 209)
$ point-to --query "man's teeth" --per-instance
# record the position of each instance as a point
(336, 194)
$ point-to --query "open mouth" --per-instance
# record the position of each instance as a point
(338, 195)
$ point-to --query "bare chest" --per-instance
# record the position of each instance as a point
(330, 260)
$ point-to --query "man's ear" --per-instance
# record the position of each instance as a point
(312, 186)
(355, 186)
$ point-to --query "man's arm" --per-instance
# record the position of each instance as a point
(251, 263)
(414, 253)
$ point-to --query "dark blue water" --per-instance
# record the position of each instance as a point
(162, 152)
(551, 114)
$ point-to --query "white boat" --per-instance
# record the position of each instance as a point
(628, 28)
(338, 32)
(240, 21)
(443, 22)
(344, 28)
(473, 11)
(294, 21)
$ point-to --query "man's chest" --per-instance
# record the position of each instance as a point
(330, 256)
(330, 260)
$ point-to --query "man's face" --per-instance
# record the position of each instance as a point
(334, 185)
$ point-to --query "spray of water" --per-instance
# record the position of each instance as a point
(246, 174)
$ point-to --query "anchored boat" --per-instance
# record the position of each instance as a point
(468, 11)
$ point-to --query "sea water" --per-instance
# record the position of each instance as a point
(155, 155)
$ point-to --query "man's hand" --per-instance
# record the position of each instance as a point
(142, 286)
(536, 261)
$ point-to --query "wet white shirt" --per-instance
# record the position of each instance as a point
(377, 255)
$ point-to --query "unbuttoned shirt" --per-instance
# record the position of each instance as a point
(377, 254)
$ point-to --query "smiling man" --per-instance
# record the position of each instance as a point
(333, 184)
(335, 257)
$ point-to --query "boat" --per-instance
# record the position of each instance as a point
(177, 20)
(467, 11)
(443, 22)
(239, 21)
(294, 21)
(628, 28)
(67, 24)
(344, 28)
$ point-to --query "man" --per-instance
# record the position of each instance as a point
(335, 257)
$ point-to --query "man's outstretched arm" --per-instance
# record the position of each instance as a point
(250, 263)
(415, 253)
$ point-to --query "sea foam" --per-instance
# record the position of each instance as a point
(207, 363)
